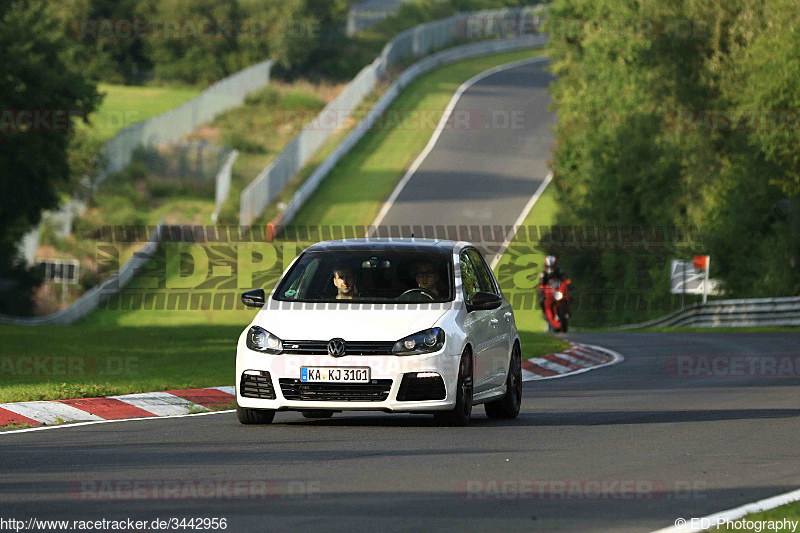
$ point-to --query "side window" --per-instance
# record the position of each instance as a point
(297, 285)
(482, 271)
(469, 279)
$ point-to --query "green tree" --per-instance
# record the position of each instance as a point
(622, 80)
(118, 57)
(762, 82)
(39, 79)
(196, 42)
(648, 95)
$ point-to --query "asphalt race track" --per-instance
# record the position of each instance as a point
(690, 445)
(490, 159)
(629, 447)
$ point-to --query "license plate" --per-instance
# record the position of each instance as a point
(334, 374)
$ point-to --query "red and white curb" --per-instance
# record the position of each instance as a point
(576, 359)
(145, 405)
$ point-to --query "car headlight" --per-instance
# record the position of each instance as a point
(428, 341)
(558, 295)
(261, 340)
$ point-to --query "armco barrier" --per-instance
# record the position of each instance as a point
(415, 42)
(752, 312)
(92, 298)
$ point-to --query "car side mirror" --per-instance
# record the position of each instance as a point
(484, 301)
(254, 298)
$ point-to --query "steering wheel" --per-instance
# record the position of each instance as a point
(426, 292)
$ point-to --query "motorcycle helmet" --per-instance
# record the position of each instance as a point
(550, 264)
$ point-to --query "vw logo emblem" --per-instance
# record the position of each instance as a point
(336, 347)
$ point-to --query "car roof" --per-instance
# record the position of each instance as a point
(420, 245)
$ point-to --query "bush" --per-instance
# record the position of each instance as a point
(299, 99)
(89, 279)
(632, 149)
(266, 96)
(239, 141)
(16, 290)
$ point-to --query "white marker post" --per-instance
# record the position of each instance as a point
(703, 262)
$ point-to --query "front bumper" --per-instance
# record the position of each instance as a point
(383, 369)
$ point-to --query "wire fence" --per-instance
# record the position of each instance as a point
(183, 163)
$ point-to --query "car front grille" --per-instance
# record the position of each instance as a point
(376, 390)
(413, 388)
(351, 347)
(257, 386)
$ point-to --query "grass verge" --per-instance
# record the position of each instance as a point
(14, 425)
(47, 363)
(125, 105)
(789, 512)
(53, 363)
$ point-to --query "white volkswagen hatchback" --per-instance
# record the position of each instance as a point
(383, 325)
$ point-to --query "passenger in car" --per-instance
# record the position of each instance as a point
(427, 277)
(345, 282)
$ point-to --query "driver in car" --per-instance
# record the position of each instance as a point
(345, 282)
(427, 277)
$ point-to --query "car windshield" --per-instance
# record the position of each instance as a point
(369, 276)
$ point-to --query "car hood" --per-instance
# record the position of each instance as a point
(362, 322)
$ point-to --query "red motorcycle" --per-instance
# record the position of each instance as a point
(556, 304)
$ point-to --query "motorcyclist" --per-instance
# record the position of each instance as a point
(551, 271)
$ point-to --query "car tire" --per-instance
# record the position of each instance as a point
(316, 414)
(462, 412)
(254, 416)
(508, 406)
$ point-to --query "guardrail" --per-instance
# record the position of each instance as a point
(752, 312)
(92, 298)
(415, 42)
(223, 184)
